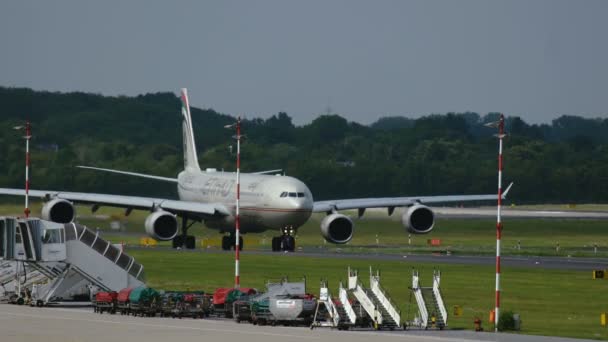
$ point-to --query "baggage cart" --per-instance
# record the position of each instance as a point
(105, 302)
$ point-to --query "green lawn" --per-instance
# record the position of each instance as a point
(551, 302)
(376, 231)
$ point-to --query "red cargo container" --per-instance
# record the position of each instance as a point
(123, 295)
(123, 304)
(220, 304)
(105, 297)
(105, 301)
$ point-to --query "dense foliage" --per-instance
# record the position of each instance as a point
(565, 161)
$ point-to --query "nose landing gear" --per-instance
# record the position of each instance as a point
(286, 242)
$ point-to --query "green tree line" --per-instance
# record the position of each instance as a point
(565, 161)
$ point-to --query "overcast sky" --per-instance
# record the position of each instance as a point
(363, 59)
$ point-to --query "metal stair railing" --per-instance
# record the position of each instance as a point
(325, 298)
(383, 298)
(343, 295)
(359, 292)
(438, 299)
(367, 304)
(424, 314)
(333, 311)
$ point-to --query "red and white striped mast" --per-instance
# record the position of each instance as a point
(237, 219)
(501, 134)
(27, 137)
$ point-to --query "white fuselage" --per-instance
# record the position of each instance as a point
(266, 202)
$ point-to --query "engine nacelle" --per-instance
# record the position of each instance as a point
(58, 210)
(161, 225)
(418, 219)
(337, 228)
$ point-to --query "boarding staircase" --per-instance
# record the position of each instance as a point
(376, 303)
(67, 260)
(391, 315)
(326, 312)
(431, 308)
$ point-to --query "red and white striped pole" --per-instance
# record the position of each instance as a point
(28, 136)
(501, 135)
(237, 275)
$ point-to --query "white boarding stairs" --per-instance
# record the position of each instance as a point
(333, 316)
(390, 313)
(71, 256)
(430, 303)
(375, 302)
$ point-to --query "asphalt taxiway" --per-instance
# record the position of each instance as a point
(28, 324)
(564, 263)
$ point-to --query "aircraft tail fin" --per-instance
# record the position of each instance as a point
(190, 156)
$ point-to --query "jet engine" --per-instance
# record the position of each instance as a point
(161, 225)
(337, 228)
(58, 210)
(418, 219)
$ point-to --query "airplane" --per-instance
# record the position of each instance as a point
(268, 202)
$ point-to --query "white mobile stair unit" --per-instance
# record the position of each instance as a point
(347, 313)
(73, 259)
(430, 303)
(326, 313)
(391, 315)
(375, 302)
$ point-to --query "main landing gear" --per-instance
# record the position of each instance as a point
(286, 242)
(228, 242)
(184, 240)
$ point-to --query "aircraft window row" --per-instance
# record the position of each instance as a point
(292, 194)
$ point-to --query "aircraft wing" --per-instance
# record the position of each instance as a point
(393, 202)
(133, 202)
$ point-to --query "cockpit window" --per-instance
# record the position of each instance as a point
(293, 194)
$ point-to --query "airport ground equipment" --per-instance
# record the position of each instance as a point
(284, 303)
(11, 276)
(375, 302)
(144, 301)
(169, 303)
(223, 299)
(292, 310)
(73, 259)
(122, 301)
(345, 309)
(431, 308)
(105, 302)
(326, 312)
(391, 315)
(185, 304)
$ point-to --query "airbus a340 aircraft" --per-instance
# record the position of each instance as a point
(268, 202)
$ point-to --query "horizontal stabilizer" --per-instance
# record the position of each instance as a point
(164, 179)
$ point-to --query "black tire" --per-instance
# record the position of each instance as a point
(178, 241)
(291, 243)
(226, 243)
(190, 242)
(276, 244)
